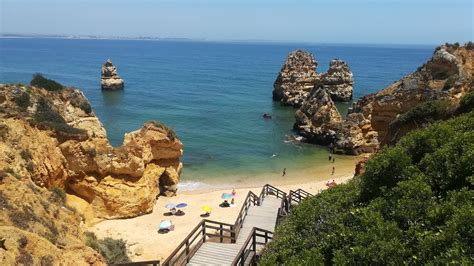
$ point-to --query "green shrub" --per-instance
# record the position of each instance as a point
(46, 117)
(450, 82)
(413, 205)
(22, 99)
(424, 113)
(114, 250)
(12, 172)
(467, 103)
(26, 155)
(169, 131)
(42, 82)
(58, 195)
(81, 103)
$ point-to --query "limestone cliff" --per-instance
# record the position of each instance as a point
(448, 75)
(337, 81)
(110, 79)
(37, 228)
(54, 139)
(296, 78)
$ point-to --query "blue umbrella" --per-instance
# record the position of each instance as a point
(165, 224)
(170, 206)
(226, 196)
(181, 205)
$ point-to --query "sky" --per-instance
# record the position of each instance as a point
(312, 21)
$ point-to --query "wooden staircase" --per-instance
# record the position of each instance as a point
(216, 243)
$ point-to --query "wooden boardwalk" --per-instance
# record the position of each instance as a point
(263, 216)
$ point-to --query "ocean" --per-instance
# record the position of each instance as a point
(213, 94)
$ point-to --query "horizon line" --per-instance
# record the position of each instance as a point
(155, 38)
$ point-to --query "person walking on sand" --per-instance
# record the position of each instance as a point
(330, 157)
(333, 169)
(333, 159)
(284, 172)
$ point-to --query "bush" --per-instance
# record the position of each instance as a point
(169, 131)
(424, 113)
(58, 195)
(114, 250)
(450, 82)
(46, 117)
(42, 82)
(467, 103)
(413, 205)
(26, 155)
(22, 99)
(81, 103)
(12, 172)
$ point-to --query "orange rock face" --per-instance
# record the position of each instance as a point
(448, 76)
(54, 139)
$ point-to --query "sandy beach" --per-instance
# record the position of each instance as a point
(145, 243)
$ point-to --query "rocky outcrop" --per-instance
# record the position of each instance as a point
(110, 80)
(54, 139)
(296, 78)
(448, 75)
(337, 81)
(317, 117)
(38, 229)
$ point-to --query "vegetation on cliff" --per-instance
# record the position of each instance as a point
(40, 81)
(113, 250)
(412, 205)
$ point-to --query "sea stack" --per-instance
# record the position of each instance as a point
(385, 116)
(110, 80)
(337, 81)
(296, 78)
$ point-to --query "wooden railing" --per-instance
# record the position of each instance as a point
(206, 230)
(225, 233)
(140, 263)
(248, 252)
(250, 200)
(297, 196)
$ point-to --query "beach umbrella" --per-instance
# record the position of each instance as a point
(226, 196)
(206, 208)
(165, 224)
(181, 205)
(170, 206)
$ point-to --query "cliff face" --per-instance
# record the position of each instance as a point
(110, 79)
(448, 75)
(38, 229)
(54, 139)
(296, 78)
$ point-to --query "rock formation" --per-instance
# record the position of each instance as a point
(447, 75)
(296, 78)
(37, 228)
(110, 80)
(54, 139)
(317, 117)
(337, 81)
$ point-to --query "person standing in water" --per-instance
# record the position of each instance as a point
(284, 172)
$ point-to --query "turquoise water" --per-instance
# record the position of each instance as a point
(212, 94)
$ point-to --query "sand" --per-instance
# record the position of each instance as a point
(145, 243)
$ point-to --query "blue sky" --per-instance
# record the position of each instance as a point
(320, 21)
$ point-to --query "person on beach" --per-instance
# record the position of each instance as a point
(233, 193)
(232, 202)
(284, 172)
(330, 157)
(333, 170)
(333, 159)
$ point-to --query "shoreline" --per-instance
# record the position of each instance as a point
(143, 240)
